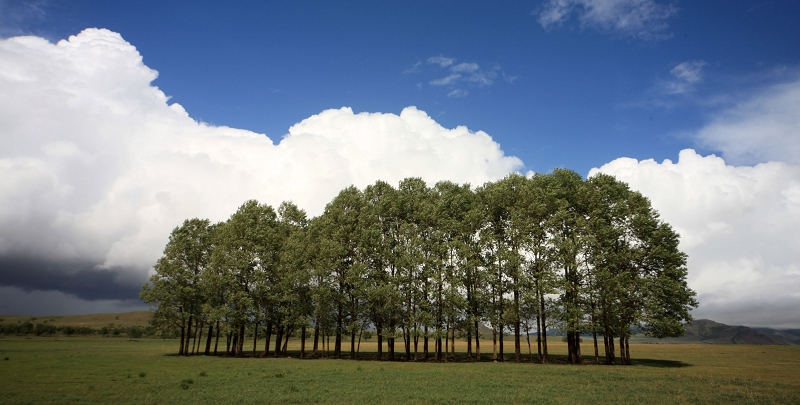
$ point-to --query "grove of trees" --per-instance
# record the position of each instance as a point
(425, 266)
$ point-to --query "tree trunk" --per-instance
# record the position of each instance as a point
(200, 328)
(235, 343)
(183, 337)
(469, 343)
(360, 333)
(353, 344)
(611, 356)
(303, 341)
(439, 322)
(379, 332)
(416, 345)
(425, 344)
(337, 348)
(390, 340)
(416, 342)
(622, 358)
(494, 341)
(316, 337)
(267, 338)
(188, 337)
(570, 347)
(407, 342)
(500, 355)
(255, 337)
(477, 342)
(194, 335)
(447, 343)
(516, 328)
(437, 355)
(216, 342)
(208, 340)
(627, 351)
(241, 341)
(545, 357)
(278, 339)
(286, 339)
(528, 337)
(228, 343)
(539, 337)
(453, 344)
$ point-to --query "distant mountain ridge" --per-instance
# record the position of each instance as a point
(792, 335)
(708, 331)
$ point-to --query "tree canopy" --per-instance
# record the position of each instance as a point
(423, 266)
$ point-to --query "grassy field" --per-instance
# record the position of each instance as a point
(108, 370)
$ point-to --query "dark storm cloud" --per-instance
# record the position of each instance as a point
(80, 279)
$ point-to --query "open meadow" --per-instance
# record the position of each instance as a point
(39, 370)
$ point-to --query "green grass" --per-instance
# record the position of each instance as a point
(103, 370)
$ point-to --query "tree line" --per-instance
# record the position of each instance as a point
(423, 266)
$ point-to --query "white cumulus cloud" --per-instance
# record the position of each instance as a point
(97, 167)
(738, 224)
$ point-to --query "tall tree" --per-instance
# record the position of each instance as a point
(568, 225)
(246, 254)
(340, 249)
(295, 270)
(379, 241)
(175, 288)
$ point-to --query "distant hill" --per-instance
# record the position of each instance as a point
(792, 335)
(708, 331)
(95, 321)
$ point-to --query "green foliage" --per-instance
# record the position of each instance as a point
(418, 262)
(44, 329)
(134, 332)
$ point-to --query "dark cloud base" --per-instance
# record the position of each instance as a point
(752, 312)
(80, 279)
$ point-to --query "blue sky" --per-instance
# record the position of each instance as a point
(120, 119)
(572, 95)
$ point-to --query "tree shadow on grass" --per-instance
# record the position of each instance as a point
(660, 363)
